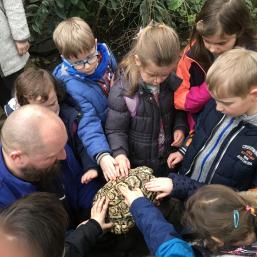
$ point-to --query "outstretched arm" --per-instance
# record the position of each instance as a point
(79, 242)
(183, 186)
(160, 236)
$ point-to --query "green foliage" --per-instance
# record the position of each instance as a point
(252, 4)
(44, 15)
(115, 21)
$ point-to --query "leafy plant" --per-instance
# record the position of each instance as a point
(44, 15)
(115, 21)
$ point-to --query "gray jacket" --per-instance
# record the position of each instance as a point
(13, 27)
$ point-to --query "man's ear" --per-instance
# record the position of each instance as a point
(137, 60)
(96, 42)
(18, 157)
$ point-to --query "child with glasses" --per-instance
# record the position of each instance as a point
(87, 70)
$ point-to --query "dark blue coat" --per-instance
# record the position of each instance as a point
(235, 164)
(77, 196)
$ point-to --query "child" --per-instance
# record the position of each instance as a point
(35, 226)
(220, 216)
(87, 72)
(217, 29)
(142, 125)
(223, 150)
(34, 86)
(38, 86)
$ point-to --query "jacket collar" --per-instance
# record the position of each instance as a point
(171, 82)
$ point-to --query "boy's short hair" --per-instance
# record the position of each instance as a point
(73, 36)
(234, 73)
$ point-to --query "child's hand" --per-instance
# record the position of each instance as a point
(109, 167)
(124, 164)
(178, 138)
(162, 185)
(22, 47)
(174, 158)
(98, 213)
(88, 176)
(130, 196)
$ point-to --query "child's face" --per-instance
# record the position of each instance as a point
(155, 75)
(51, 103)
(86, 62)
(236, 106)
(218, 45)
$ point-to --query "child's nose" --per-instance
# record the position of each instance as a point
(213, 49)
(157, 80)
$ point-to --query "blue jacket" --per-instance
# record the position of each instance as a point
(235, 164)
(78, 197)
(160, 236)
(71, 117)
(90, 100)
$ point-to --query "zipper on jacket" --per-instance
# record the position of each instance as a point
(223, 152)
(207, 141)
(197, 63)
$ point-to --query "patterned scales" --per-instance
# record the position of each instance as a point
(118, 212)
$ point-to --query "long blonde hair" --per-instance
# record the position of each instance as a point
(157, 43)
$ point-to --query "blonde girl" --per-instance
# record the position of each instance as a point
(142, 125)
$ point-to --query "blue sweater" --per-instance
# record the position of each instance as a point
(78, 196)
(89, 98)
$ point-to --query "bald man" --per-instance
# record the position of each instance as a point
(34, 157)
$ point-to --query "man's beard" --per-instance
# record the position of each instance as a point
(35, 175)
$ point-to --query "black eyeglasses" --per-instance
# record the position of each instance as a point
(89, 60)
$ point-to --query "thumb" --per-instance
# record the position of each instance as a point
(138, 190)
(123, 189)
(160, 196)
(128, 164)
(170, 162)
(107, 226)
(175, 161)
(114, 161)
